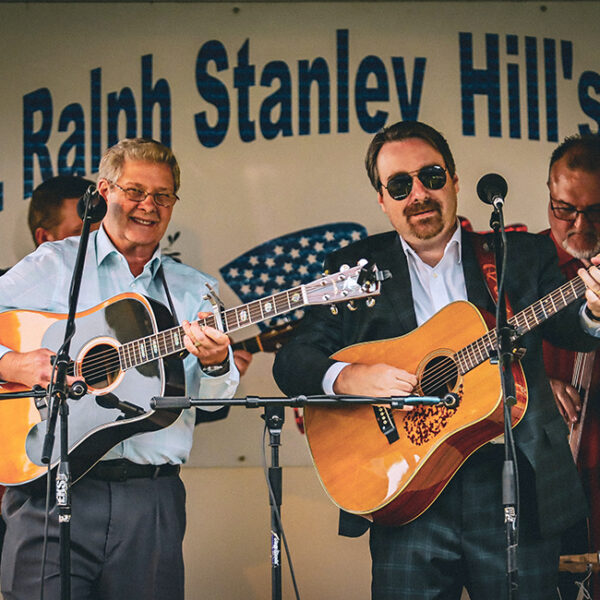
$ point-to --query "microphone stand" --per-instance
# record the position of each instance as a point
(505, 343)
(58, 394)
(274, 418)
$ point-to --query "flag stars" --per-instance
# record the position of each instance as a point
(253, 260)
(233, 272)
(259, 290)
(278, 250)
(264, 277)
(288, 268)
(295, 253)
(270, 262)
(318, 247)
(248, 273)
(356, 235)
(311, 258)
(304, 242)
(280, 280)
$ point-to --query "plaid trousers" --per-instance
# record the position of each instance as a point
(460, 540)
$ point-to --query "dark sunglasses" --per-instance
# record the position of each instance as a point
(432, 177)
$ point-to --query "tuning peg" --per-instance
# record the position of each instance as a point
(334, 309)
(351, 306)
(370, 302)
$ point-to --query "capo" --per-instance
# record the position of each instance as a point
(217, 304)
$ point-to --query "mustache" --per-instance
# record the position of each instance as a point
(419, 207)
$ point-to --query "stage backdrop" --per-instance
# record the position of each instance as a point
(269, 108)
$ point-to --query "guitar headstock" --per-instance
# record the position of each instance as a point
(348, 284)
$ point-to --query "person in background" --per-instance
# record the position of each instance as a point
(129, 509)
(574, 218)
(460, 539)
(52, 213)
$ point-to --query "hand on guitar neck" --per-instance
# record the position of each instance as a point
(29, 368)
(209, 345)
(379, 380)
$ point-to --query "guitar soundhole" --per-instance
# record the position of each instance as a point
(424, 423)
(100, 366)
(439, 376)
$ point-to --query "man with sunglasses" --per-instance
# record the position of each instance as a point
(129, 509)
(574, 217)
(459, 540)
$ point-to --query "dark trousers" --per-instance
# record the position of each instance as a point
(126, 541)
(460, 541)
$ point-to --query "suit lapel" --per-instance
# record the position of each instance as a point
(397, 291)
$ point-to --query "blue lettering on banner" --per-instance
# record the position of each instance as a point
(214, 92)
(314, 76)
(122, 116)
(280, 99)
(590, 106)
(378, 89)
(487, 82)
(34, 142)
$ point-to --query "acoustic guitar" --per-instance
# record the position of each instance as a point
(390, 465)
(127, 351)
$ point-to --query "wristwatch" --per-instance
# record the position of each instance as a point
(590, 314)
(216, 370)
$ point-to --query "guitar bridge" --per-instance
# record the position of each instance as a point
(386, 423)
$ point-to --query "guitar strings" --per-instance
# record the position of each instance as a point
(108, 361)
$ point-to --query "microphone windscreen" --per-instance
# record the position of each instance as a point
(95, 203)
(490, 187)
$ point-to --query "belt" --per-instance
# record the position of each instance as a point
(122, 469)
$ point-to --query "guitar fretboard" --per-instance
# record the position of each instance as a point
(170, 341)
(483, 348)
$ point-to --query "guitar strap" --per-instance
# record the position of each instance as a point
(485, 258)
(161, 274)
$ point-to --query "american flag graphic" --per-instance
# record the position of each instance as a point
(286, 262)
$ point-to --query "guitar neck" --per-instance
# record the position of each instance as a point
(170, 341)
(526, 320)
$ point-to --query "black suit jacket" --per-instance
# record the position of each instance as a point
(531, 272)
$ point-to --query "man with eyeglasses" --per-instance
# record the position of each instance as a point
(129, 510)
(460, 539)
(574, 217)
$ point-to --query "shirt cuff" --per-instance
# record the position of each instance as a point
(589, 325)
(331, 375)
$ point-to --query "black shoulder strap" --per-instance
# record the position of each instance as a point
(161, 274)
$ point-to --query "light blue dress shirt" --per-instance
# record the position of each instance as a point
(41, 282)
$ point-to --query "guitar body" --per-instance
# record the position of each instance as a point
(393, 476)
(95, 424)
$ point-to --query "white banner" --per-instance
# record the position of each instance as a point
(269, 108)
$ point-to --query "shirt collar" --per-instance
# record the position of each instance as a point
(454, 244)
(105, 248)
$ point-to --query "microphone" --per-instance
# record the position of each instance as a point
(492, 189)
(93, 204)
